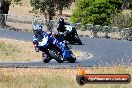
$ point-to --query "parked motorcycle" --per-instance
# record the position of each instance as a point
(52, 51)
(70, 35)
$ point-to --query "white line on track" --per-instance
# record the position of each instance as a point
(85, 55)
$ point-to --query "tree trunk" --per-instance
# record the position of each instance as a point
(50, 18)
(60, 12)
(1, 6)
(51, 13)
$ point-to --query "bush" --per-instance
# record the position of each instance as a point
(122, 20)
(95, 11)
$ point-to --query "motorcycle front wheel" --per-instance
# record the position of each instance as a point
(46, 60)
(72, 60)
(54, 53)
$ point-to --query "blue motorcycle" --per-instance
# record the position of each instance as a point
(54, 49)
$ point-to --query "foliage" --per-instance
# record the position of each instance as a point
(50, 7)
(122, 20)
(95, 11)
(126, 4)
(62, 3)
(44, 6)
(16, 1)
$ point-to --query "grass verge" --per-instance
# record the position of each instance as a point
(54, 78)
(14, 50)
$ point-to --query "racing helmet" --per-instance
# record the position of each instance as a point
(37, 28)
(61, 20)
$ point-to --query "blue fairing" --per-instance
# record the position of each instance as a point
(54, 41)
(66, 54)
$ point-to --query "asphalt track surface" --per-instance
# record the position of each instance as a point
(95, 52)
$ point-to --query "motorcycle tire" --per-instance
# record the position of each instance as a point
(78, 40)
(54, 54)
(80, 43)
(59, 61)
(72, 60)
(46, 60)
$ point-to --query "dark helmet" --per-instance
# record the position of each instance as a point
(61, 21)
(37, 28)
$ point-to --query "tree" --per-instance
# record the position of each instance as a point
(47, 7)
(122, 20)
(61, 4)
(95, 11)
(44, 6)
(50, 7)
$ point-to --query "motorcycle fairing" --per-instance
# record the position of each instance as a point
(69, 27)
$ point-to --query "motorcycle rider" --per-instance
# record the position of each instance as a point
(39, 35)
(61, 25)
(62, 28)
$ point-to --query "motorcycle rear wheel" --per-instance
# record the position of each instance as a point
(78, 40)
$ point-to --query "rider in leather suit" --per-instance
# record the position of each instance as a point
(38, 37)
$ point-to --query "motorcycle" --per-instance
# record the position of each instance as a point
(70, 35)
(52, 51)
